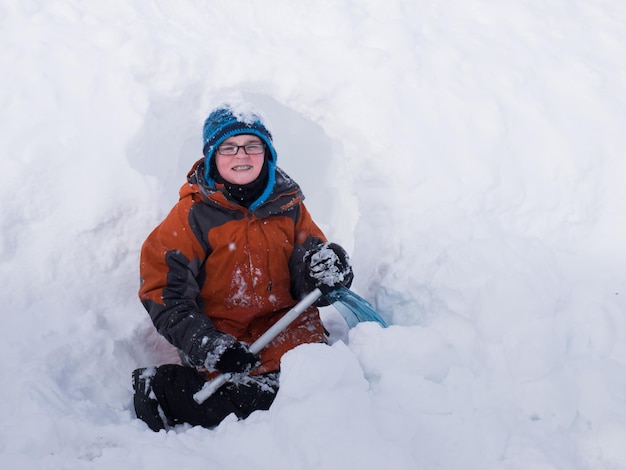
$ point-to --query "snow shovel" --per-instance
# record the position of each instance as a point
(353, 308)
(212, 385)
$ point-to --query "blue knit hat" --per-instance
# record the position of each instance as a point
(226, 121)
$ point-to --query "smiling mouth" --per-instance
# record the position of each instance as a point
(242, 167)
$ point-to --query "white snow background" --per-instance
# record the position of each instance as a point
(470, 155)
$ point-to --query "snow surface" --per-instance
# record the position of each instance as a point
(468, 155)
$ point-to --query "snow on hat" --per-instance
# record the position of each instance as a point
(228, 120)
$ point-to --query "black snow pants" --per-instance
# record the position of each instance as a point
(164, 397)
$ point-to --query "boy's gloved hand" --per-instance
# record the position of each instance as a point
(328, 267)
(237, 359)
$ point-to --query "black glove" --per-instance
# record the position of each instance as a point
(328, 267)
(237, 359)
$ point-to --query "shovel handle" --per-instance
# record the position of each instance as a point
(210, 387)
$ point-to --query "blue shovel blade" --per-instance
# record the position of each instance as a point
(353, 308)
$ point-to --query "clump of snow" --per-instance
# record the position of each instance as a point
(326, 267)
(468, 155)
(246, 111)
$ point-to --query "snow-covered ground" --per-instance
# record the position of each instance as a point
(469, 155)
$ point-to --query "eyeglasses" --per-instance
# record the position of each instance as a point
(250, 149)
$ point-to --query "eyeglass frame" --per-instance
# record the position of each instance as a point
(237, 147)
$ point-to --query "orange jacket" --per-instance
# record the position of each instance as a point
(214, 265)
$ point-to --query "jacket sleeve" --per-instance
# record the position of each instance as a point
(171, 259)
(307, 237)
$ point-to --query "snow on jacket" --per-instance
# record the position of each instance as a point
(215, 265)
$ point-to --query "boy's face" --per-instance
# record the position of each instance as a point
(241, 168)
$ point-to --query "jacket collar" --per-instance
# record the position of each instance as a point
(285, 192)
